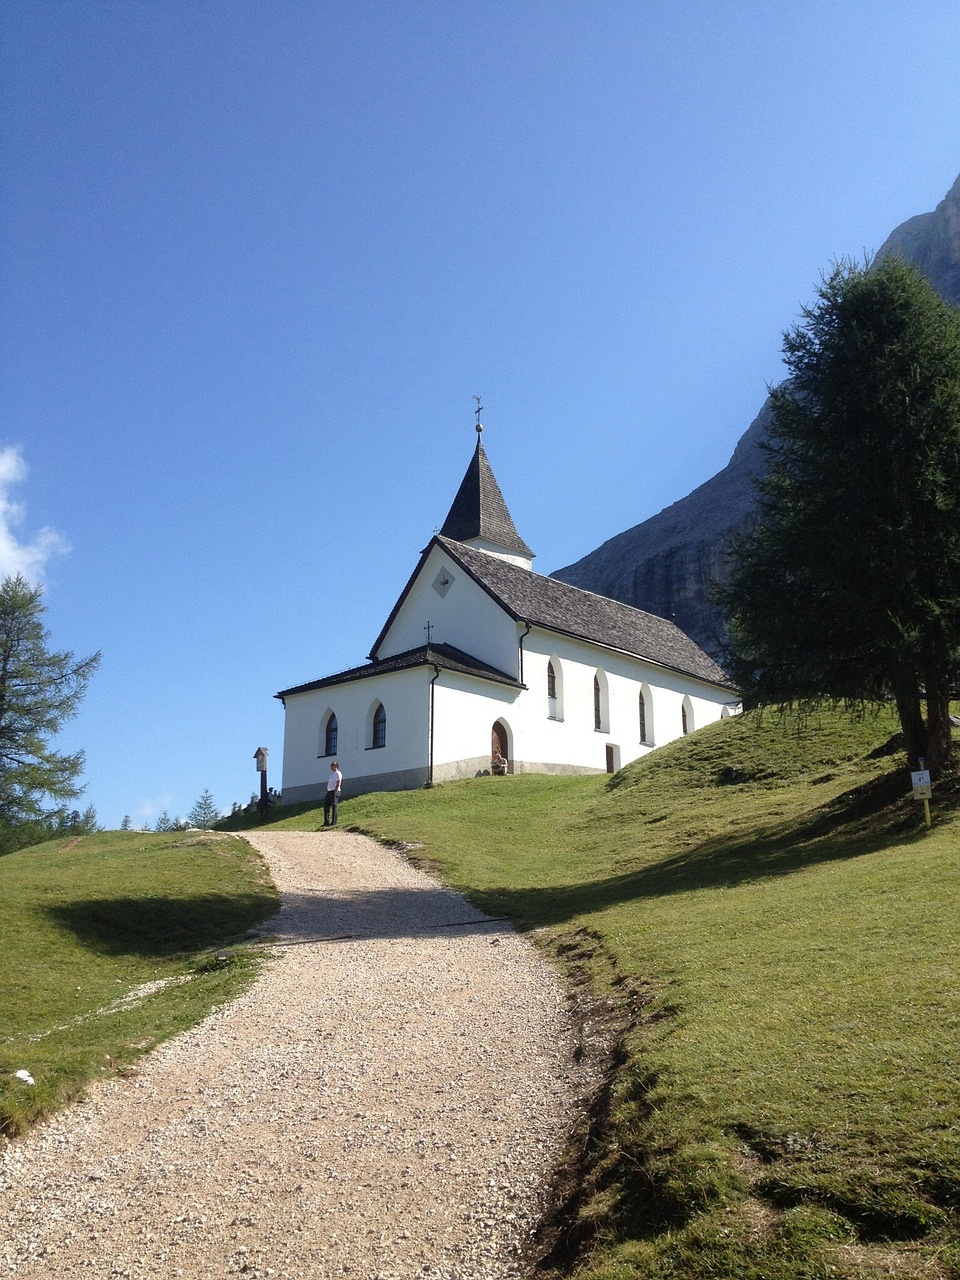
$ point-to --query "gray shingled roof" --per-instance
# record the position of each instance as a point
(479, 510)
(445, 656)
(549, 603)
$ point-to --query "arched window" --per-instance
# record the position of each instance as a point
(330, 736)
(379, 727)
(646, 709)
(554, 688)
(601, 703)
(686, 716)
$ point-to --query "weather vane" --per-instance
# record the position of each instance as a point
(479, 411)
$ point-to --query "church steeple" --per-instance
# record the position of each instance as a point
(479, 514)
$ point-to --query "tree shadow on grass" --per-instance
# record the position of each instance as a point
(401, 912)
(162, 926)
(167, 926)
(857, 824)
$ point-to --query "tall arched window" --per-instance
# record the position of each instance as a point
(330, 736)
(646, 710)
(554, 688)
(601, 702)
(379, 727)
(686, 716)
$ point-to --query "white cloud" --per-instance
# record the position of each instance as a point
(147, 811)
(29, 558)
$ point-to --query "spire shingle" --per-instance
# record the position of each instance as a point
(479, 510)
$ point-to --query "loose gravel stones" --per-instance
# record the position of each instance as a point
(387, 1101)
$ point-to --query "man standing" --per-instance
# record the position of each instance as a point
(331, 801)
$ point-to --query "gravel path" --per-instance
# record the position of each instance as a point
(388, 1100)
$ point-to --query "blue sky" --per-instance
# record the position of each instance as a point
(257, 258)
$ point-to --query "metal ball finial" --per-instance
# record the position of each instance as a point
(478, 411)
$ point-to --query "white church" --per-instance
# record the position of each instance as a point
(519, 673)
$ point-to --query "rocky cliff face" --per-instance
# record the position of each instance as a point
(932, 241)
(665, 564)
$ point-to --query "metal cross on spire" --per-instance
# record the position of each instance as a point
(479, 410)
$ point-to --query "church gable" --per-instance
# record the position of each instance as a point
(444, 604)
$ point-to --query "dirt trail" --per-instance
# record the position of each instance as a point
(388, 1100)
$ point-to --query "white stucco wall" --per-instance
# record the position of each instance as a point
(403, 758)
(572, 740)
(462, 614)
(512, 557)
(466, 709)
(464, 713)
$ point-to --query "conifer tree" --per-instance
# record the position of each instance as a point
(849, 589)
(204, 813)
(40, 690)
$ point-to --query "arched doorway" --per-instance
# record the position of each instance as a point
(499, 754)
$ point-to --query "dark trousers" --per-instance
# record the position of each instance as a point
(331, 804)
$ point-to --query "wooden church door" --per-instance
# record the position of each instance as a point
(498, 748)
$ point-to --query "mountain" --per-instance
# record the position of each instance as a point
(665, 564)
(932, 241)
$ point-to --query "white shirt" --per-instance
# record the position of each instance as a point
(333, 782)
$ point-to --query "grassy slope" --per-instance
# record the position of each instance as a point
(87, 922)
(789, 1103)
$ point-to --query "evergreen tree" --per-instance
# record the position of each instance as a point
(126, 824)
(849, 589)
(40, 690)
(204, 813)
(163, 823)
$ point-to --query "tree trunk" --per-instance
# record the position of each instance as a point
(939, 730)
(911, 722)
(929, 740)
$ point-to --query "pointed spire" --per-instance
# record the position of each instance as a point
(479, 512)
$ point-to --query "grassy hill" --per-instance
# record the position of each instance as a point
(756, 914)
(762, 908)
(109, 946)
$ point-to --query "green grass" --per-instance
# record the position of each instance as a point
(89, 922)
(759, 905)
(780, 933)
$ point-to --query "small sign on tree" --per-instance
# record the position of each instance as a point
(922, 786)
